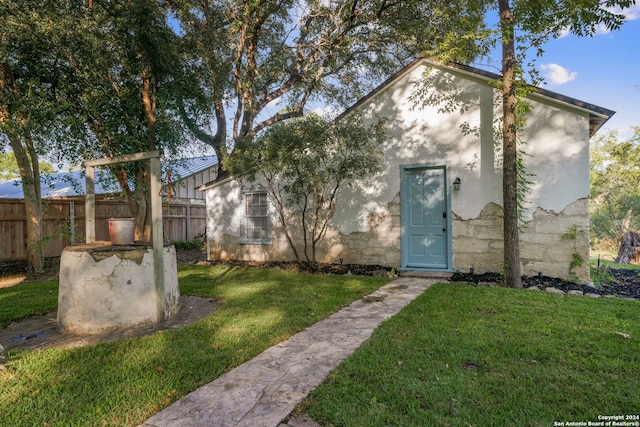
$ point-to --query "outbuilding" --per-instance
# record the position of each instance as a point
(437, 203)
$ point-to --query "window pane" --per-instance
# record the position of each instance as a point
(256, 213)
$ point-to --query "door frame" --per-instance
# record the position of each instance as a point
(404, 204)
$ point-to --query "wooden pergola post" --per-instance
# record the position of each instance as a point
(157, 240)
(90, 205)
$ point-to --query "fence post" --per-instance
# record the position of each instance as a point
(90, 206)
(72, 222)
(188, 222)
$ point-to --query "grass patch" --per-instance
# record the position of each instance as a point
(593, 263)
(31, 299)
(467, 356)
(123, 383)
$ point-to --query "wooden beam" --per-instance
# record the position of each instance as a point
(157, 237)
(72, 221)
(90, 206)
(125, 158)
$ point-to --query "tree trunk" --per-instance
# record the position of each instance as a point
(629, 250)
(512, 274)
(27, 159)
(32, 203)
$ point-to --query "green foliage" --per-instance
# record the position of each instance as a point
(62, 231)
(182, 245)
(577, 259)
(9, 166)
(303, 163)
(328, 52)
(615, 194)
(99, 79)
(599, 271)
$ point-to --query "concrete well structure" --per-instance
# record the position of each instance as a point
(104, 288)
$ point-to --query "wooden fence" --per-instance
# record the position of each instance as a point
(64, 224)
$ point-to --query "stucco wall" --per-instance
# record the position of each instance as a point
(366, 226)
(477, 242)
(379, 244)
(556, 143)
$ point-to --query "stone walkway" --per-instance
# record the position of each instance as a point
(264, 391)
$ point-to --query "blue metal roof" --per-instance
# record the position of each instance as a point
(69, 184)
(183, 168)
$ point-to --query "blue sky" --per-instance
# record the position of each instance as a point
(603, 70)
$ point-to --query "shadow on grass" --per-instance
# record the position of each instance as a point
(123, 383)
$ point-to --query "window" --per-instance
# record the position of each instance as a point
(256, 229)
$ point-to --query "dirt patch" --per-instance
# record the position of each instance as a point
(41, 332)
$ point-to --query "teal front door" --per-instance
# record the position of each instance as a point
(425, 222)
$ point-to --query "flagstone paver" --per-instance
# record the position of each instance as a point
(264, 390)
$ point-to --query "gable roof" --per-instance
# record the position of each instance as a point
(597, 115)
(70, 184)
(183, 168)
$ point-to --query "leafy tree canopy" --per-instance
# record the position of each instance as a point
(615, 186)
(9, 166)
(303, 163)
(265, 62)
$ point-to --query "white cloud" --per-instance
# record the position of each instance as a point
(557, 74)
(564, 33)
(631, 14)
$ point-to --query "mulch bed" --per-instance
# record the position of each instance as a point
(312, 267)
(626, 283)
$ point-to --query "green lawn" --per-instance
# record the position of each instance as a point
(30, 299)
(123, 383)
(457, 356)
(479, 356)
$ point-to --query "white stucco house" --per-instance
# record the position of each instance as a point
(437, 204)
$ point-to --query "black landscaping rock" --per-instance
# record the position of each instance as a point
(625, 284)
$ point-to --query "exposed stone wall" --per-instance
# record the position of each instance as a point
(379, 245)
(544, 249)
(478, 242)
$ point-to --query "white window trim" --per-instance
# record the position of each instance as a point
(244, 240)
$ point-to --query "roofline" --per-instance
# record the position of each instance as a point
(215, 183)
(195, 172)
(598, 116)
